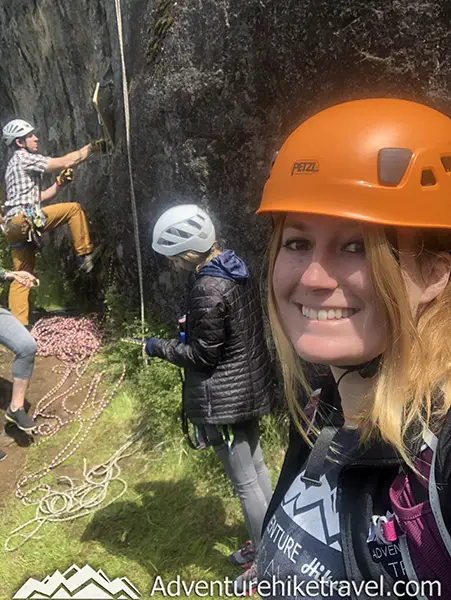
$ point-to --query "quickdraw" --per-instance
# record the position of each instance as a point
(36, 227)
(103, 104)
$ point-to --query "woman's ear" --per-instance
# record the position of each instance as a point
(438, 277)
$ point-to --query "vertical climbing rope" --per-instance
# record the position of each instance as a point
(132, 188)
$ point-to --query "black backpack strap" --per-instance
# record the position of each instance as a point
(315, 462)
(330, 403)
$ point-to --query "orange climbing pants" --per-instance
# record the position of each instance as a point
(69, 213)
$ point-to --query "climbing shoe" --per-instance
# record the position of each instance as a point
(20, 418)
(243, 557)
(246, 584)
(3, 455)
(87, 262)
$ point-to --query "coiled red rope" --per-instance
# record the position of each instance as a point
(71, 339)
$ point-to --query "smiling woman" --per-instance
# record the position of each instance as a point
(359, 270)
(322, 287)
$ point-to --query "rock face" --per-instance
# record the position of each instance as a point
(215, 87)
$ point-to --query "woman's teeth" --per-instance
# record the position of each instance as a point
(331, 313)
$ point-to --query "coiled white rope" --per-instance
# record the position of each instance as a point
(60, 505)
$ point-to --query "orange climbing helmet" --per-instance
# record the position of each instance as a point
(380, 160)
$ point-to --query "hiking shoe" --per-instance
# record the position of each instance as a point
(243, 557)
(20, 418)
(246, 584)
(3, 455)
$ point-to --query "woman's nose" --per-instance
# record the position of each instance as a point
(317, 275)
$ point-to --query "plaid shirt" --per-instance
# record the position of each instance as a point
(23, 183)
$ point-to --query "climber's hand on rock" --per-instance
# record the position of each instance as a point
(100, 145)
(65, 177)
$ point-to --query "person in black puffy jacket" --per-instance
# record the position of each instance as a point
(228, 384)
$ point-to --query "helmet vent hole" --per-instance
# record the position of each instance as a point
(446, 162)
(164, 242)
(179, 233)
(203, 235)
(194, 224)
(392, 164)
(428, 178)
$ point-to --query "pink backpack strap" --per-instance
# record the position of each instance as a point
(424, 541)
(434, 498)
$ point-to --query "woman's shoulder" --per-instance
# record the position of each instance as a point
(208, 292)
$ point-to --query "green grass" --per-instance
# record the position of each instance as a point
(179, 515)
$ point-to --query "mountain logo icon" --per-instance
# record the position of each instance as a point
(78, 584)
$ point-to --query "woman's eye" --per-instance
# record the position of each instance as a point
(355, 247)
(297, 245)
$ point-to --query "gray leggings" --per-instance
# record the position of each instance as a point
(245, 466)
(15, 337)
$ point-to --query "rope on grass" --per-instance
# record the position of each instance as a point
(60, 505)
(80, 339)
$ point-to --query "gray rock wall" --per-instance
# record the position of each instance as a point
(215, 87)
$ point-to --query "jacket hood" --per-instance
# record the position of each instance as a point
(227, 265)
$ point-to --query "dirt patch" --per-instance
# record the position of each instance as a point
(13, 441)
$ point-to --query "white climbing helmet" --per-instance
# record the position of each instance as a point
(183, 228)
(16, 128)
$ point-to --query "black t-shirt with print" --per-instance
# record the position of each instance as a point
(303, 539)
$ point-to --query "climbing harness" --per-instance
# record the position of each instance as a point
(132, 188)
(31, 228)
(228, 436)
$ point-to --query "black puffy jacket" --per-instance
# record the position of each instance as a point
(225, 357)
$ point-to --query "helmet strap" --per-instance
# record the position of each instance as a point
(16, 145)
(365, 370)
(25, 145)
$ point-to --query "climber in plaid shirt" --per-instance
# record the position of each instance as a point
(23, 183)
(25, 221)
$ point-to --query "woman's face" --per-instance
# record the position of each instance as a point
(181, 264)
(323, 290)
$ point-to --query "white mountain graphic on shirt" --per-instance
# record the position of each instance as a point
(78, 584)
(313, 509)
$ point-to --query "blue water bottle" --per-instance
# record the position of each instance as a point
(182, 330)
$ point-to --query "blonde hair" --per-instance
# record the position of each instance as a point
(412, 390)
(200, 259)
